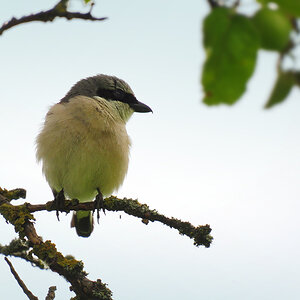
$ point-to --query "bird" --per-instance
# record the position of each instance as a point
(83, 143)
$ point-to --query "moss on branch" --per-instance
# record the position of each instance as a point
(48, 253)
(200, 235)
(21, 248)
(13, 194)
(71, 269)
(16, 215)
(66, 266)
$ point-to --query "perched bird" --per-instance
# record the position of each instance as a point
(84, 146)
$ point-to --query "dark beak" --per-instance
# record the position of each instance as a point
(140, 107)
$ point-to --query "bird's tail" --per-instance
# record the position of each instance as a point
(83, 222)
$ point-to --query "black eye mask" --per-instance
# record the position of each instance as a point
(116, 95)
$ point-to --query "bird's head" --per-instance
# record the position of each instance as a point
(112, 89)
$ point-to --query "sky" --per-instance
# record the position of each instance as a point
(236, 168)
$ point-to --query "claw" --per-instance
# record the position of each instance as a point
(99, 204)
(59, 201)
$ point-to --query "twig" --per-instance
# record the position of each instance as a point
(200, 234)
(13, 194)
(58, 11)
(51, 293)
(20, 281)
(236, 4)
(21, 249)
(213, 3)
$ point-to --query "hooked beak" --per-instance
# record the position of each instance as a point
(140, 107)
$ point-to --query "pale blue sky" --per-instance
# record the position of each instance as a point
(235, 168)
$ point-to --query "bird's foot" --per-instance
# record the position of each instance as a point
(99, 204)
(59, 201)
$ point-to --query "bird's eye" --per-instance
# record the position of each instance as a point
(105, 93)
(116, 94)
(119, 94)
(129, 98)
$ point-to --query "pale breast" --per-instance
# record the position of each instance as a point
(89, 148)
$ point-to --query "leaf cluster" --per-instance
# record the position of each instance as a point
(232, 41)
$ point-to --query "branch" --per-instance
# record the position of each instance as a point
(68, 267)
(58, 11)
(217, 3)
(51, 293)
(200, 234)
(13, 194)
(20, 216)
(20, 281)
(213, 3)
(21, 249)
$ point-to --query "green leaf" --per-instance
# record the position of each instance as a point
(263, 2)
(290, 6)
(216, 24)
(283, 85)
(231, 44)
(273, 27)
(297, 78)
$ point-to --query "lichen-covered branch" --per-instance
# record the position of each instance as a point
(68, 267)
(51, 293)
(60, 10)
(72, 271)
(21, 283)
(21, 217)
(21, 249)
(200, 235)
(13, 194)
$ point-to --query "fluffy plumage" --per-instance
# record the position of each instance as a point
(84, 145)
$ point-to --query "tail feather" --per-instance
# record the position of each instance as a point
(83, 223)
